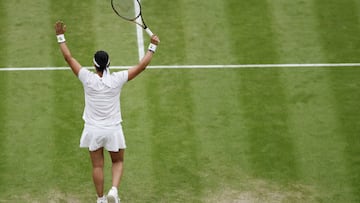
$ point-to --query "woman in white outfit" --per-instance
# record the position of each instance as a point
(102, 114)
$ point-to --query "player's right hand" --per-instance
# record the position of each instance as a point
(60, 28)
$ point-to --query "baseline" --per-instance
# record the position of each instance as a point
(306, 65)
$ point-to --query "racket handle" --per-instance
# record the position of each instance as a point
(149, 32)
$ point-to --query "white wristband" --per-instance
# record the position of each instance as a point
(60, 38)
(152, 47)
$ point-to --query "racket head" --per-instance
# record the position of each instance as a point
(126, 9)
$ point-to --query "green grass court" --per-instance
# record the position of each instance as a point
(193, 135)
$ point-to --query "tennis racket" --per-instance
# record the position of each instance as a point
(130, 10)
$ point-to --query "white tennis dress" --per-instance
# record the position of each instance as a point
(102, 114)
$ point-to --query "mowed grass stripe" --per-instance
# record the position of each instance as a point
(296, 34)
(309, 96)
(206, 36)
(314, 128)
(3, 130)
(270, 149)
(222, 133)
(357, 4)
(3, 94)
(28, 137)
(346, 100)
(250, 32)
(339, 26)
(3, 35)
(26, 21)
(22, 105)
(165, 18)
(175, 150)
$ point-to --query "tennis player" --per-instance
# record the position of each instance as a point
(102, 115)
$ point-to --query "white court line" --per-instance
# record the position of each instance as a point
(263, 65)
(139, 33)
(305, 65)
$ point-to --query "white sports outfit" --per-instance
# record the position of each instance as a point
(102, 113)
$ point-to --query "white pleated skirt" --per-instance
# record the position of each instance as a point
(111, 138)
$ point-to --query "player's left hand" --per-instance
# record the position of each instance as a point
(155, 40)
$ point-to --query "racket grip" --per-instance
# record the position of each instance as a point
(149, 32)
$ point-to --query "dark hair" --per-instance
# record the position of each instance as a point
(101, 60)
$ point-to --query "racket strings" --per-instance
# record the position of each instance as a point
(126, 8)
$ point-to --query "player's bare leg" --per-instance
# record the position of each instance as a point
(97, 158)
(117, 159)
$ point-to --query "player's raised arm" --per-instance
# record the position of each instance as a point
(144, 62)
(60, 29)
